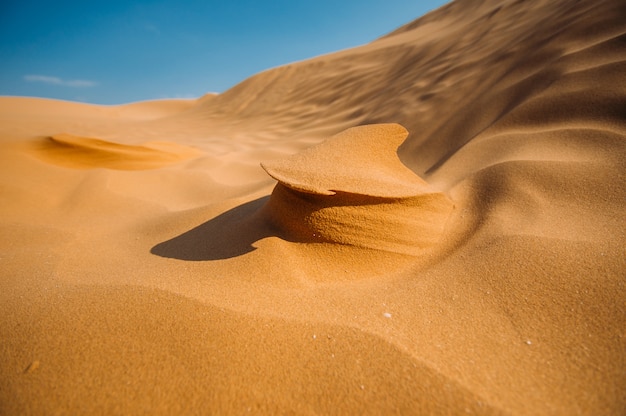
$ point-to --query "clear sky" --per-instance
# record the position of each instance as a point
(113, 52)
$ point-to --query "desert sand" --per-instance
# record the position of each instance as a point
(432, 223)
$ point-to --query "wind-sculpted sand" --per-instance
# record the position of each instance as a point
(86, 152)
(352, 189)
(432, 223)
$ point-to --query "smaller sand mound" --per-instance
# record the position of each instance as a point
(85, 153)
(353, 189)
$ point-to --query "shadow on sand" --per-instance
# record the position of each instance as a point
(228, 235)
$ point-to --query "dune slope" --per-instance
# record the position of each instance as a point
(149, 264)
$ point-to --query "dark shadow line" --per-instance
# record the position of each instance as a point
(228, 235)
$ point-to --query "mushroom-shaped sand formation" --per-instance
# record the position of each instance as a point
(353, 189)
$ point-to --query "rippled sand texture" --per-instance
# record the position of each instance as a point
(472, 263)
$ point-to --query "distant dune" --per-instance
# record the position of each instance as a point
(86, 152)
(432, 223)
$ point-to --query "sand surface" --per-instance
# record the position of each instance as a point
(473, 263)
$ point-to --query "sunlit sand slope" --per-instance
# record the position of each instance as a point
(471, 261)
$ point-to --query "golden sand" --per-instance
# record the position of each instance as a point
(470, 262)
(370, 200)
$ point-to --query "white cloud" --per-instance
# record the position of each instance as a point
(81, 83)
(77, 83)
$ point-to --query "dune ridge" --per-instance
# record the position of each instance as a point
(406, 76)
(85, 152)
(198, 286)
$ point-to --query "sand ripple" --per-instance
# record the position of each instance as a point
(84, 152)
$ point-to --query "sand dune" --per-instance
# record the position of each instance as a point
(84, 152)
(471, 261)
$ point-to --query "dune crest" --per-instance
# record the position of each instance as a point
(353, 189)
(84, 153)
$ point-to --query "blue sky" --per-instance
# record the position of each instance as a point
(113, 52)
